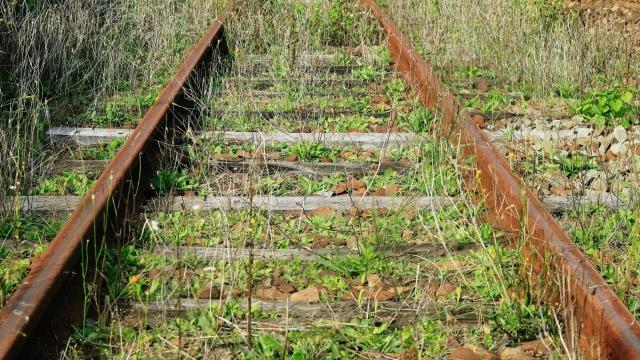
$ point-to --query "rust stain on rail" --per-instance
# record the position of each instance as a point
(607, 328)
(105, 208)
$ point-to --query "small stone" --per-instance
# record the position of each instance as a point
(209, 292)
(619, 149)
(558, 190)
(323, 211)
(347, 155)
(359, 192)
(619, 134)
(270, 293)
(283, 285)
(374, 280)
(391, 189)
(514, 354)
(324, 193)
(355, 184)
(482, 85)
(604, 142)
(311, 294)
(444, 290)
(463, 354)
(479, 350)
(379, 99)
(274, 155)
(534, 347)
(366, 155)
(243, 154)
(354, 211)
(599, 184)
(339, 189)
(450, 265)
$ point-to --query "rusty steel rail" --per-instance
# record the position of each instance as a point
(103, 212)
(558, 271)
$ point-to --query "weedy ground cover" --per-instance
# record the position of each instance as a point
(22, 239)
(561, 73)
(56, 71)
(611, 240)
(536, 47)
(372, 295)
(431, 174)
(77, 63)
(475, 292)
(472, 288)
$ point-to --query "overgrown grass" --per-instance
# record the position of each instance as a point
(477, 295)
(535, 46)
(95, 63)
(91, 62)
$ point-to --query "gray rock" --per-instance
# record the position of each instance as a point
(619, 149)
(635, 167)
(599, 185)
(325, 193)
(619, 134)
(618, 167)
(590, 175)
(603, 144)
(581, 132)
(514, 354)
(577, 119)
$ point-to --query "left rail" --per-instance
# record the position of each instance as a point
(47, 299)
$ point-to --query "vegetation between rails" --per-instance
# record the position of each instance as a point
(76, 63)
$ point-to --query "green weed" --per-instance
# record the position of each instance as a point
(103, 151)
(311, 151)
(67, 183)
(419, 120)
(609, 107)
(367, 73)
(572, 164)
(167, 179)
(495, 100)
(567, 91)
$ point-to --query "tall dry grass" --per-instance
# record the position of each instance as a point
(534, 45)
(63, 56)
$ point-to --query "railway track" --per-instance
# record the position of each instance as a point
(333, 203)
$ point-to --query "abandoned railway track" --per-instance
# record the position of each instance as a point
(326, 202)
